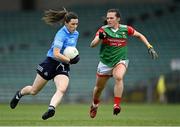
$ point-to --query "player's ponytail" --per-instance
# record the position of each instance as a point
(54, 17)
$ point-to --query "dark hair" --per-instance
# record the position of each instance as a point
(116, 11)
(112, 10)
(54, 17)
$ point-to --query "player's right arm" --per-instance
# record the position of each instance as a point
(95, 42)
(58, 43)
(97, 38)
(58, 55)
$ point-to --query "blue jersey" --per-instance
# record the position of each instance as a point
(63, 39)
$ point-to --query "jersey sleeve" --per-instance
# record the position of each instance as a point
(100, 30)
(130, 30)
(59, 40)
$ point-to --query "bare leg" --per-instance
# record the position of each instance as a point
(61, 82)
(118, 74)
(38, 84)
(100, 84)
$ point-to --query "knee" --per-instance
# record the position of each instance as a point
(119, 78)
(33, 92)
(61, 90)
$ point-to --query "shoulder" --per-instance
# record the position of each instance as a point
(76, 32)
(126, 26)
(105, 26)
(61, 31)
(102, 28)
(123, 26)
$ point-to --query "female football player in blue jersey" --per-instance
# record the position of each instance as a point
(56, 66)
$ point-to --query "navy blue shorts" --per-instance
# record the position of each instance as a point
(49, 68)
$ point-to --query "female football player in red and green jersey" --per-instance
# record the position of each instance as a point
(113, 57)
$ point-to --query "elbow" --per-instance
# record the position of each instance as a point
(55, 55)
(92, 46)
(139, 36)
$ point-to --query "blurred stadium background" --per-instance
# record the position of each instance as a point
(25, 39)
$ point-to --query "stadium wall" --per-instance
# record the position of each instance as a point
(44, 4)
(16, 5)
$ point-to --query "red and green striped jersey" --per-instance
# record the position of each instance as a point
(114, 46)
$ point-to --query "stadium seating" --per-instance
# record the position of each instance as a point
(25, 39)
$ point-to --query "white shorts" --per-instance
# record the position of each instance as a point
(104, 70)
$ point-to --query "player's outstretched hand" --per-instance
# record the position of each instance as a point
(75, 60)
(153, 53)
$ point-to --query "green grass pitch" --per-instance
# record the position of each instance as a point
(78, 115)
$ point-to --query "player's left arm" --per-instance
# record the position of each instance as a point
(142, 38)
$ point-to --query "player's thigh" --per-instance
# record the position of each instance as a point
(39, 83)
(101, 81)
(61, 81)
(119, 71)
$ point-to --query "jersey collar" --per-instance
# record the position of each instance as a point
(66, 29)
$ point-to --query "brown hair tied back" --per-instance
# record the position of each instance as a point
(54, 17)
